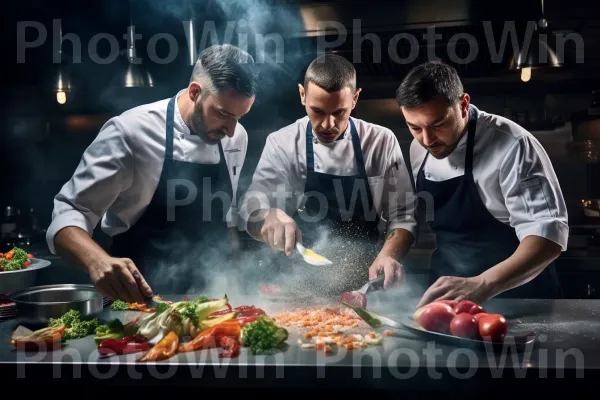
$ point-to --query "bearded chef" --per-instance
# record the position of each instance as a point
(488, 191)
(337, 179)
(150, 176)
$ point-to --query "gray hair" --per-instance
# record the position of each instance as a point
(226, 66)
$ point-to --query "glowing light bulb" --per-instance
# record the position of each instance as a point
(526, 74)
(61, 97)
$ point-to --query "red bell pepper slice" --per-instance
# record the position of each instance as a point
(43, 339)
(231, 346)
(164, 349)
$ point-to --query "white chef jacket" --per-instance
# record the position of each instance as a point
(120, 170)
(513, 175)
(282, 170)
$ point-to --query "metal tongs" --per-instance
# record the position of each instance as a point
(372, 285)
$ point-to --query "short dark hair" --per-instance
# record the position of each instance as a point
(428, 81)
(331, 73)
(227, 67)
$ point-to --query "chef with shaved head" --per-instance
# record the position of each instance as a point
(337, 179)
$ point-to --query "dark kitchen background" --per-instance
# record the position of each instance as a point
(42, 139)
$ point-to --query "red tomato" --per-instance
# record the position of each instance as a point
(464, 325)
(468, 306)
(451, 303)
(476, 309)
(29, 255)
(493, 327)
(478, 317)
(435, 317)
(464, 306)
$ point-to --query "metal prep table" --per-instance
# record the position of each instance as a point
(567, 352)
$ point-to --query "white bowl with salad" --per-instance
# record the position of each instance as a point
(18, 270)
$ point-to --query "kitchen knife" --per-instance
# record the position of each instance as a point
(372, 319)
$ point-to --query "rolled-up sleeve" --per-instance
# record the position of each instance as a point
(104, 171)
(532, 193)
(270, 187)
(398, 200)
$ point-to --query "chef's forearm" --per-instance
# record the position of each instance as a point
(76, 246)
(531, 257)
(397, 242)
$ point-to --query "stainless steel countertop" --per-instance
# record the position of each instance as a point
(568, 343)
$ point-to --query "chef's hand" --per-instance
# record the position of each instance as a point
(280, 231)
(456, 288)
(392, 269)
(120, 279)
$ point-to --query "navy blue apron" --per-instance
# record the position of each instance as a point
(175, 246)
(469, 238)
(352, 234)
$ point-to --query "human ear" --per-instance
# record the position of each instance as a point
(302, 93)
(195, 90)
(355, 97)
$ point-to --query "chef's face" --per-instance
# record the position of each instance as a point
(215, 115)
(438, 126)
(328, 112)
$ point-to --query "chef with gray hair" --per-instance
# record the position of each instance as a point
(161, 178)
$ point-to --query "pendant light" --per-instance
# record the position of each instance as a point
(189, 27)
(134, 75)
(538, 54)
(62, 78)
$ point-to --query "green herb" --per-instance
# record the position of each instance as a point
(76, 328)
(161, 307)
(119, 305)
(262, 335)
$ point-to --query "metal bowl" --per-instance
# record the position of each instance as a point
(39, 304)
(11, 281)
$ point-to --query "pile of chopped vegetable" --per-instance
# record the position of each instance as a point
(15, 260)
(262, 335)
(76, 328)
(119, 305)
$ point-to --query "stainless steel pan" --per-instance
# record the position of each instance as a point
(39, 304)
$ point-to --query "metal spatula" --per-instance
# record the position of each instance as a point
(311, 257)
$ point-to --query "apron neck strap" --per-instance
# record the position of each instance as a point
(471, 139)
(170, 123)
(358, 156)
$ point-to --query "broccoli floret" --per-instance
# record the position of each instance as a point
(68, 319)
(262, 335)
(201, 299)
(119, 305)
(13, 265)
(20, 255)
(114, 326)
(81, 329)
(76, 328)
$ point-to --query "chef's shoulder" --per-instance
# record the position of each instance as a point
(375, 135)
(503, 137)
(141, 124)
(286, 140)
